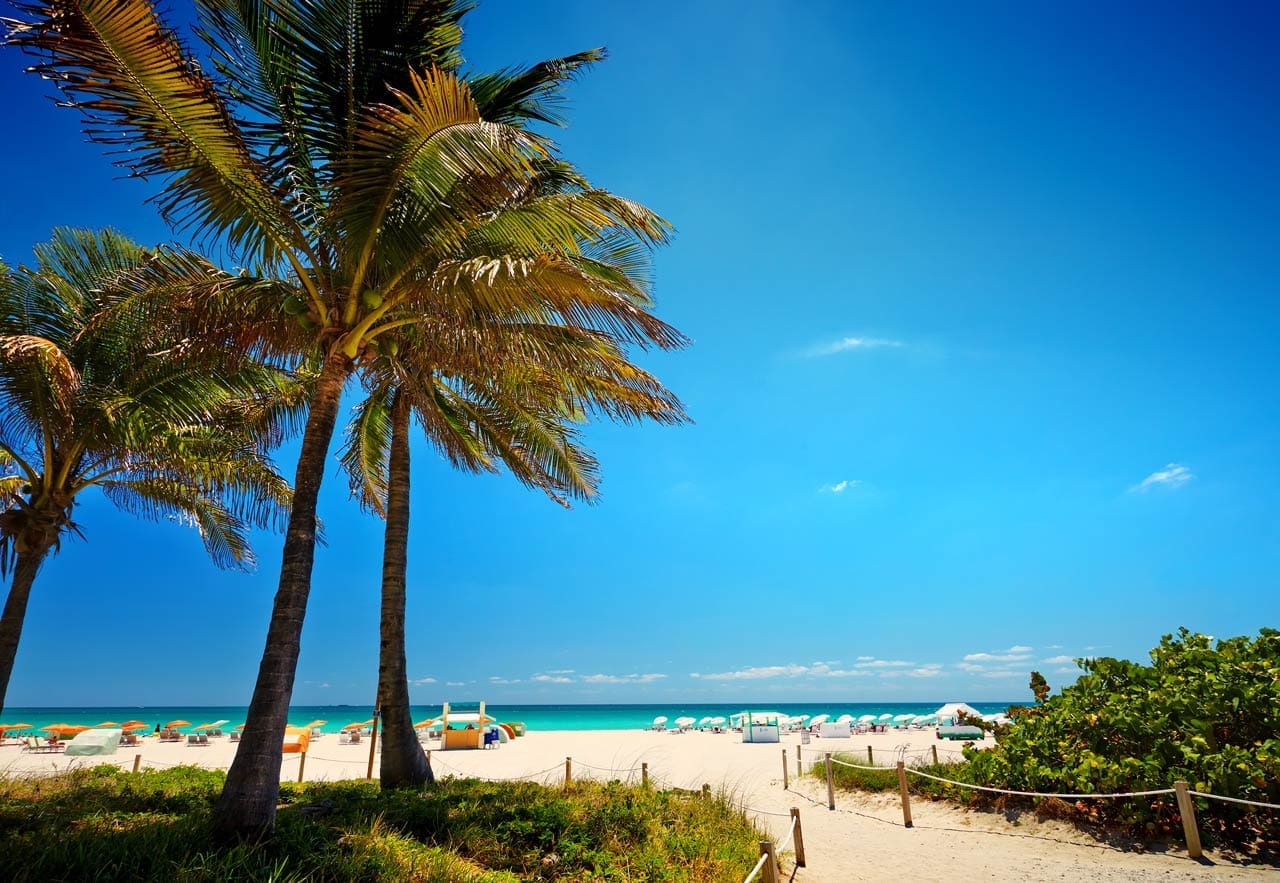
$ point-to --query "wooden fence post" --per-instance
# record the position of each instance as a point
(373, 743)
(799, 767)
(831, 784)
(934, 749)
(302, 765)
(906, 798)
(1187, 810)
(644, 774)
(706, 790)
(785, 783)
(568, 771)
(770, 870)
(871, 761)
(799, 841)
(137, 762)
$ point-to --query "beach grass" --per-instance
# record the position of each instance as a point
(105, 824)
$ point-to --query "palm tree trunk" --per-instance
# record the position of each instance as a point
(15, 611)
(247, 806)
(404, 765)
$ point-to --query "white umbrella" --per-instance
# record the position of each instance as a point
(951, 709)
(923, 719)
(659, 720)
(704, 722)
(716, 721)
(844, 718)
(866, 718)
(899, 718)
(684, 721)
(885, 717)
(819, 719)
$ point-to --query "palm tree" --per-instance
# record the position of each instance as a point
(116, 404)
(340, 157)
(511, 403)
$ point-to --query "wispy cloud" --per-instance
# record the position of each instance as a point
(454, 684)
(1172, 476)
(970, 667)
(928, 670)
(882, 663)
(846, 344)
(622, 679)
(840, 486)
(1057, 660)
(1016, 653)
(764, 672)
(549, 678)
(422, 681)
(494, 679)
(1004, 673)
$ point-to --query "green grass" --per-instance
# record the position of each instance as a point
(886, 778)
(104, 824)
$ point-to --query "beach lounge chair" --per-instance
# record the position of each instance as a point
(235, 735)
(193, 739)
(204, 740)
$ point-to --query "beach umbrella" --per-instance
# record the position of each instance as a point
(866, 718)
(17, 726)
(135, 724)
(716, 721)
(819, 719)
(359, 726)
(923, 719)
(107, 724)
(422, 724)
(885, 717)
(314, 724)
(171, 724)
(239, 726)
(132, 728)
(704, 721)
(900, 718)
(659, 720)
(844, 719)
(64, 729)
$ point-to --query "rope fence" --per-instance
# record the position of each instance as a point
(1181, 791)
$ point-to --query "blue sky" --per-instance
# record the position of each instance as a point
(985, 303)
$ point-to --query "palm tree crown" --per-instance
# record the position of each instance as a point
(96, 396)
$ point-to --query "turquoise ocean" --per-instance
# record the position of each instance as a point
(536, 717)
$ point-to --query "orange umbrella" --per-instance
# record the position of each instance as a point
(107, 724)
(18, 726)
(239, 726)
(135, 724)
(130, 728)
(172, 724)
(64, 729)
(425, 723)
(359, 726)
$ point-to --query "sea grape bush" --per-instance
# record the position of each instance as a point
(1204, 711)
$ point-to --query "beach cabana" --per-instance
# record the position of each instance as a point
(953, 709)
(472, 725)
(95, 742)
(761, 726)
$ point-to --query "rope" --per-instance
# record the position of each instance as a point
(1038, 794)
(856, 766)
(1235, 800)
(786, 841)
(765, 812)
(630, 769)
(756, 870)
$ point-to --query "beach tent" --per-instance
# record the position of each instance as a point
(95, 742)
(951, 709)
(761, 726)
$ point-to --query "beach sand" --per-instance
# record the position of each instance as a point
(863, 835)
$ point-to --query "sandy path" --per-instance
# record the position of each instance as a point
(863, 836)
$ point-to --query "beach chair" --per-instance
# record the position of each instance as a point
(203, 740)
(353, 737)
(193, 739)
(31, 744)
(235, 735)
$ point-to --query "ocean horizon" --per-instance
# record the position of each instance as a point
(551, 718)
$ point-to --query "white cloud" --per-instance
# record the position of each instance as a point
(324, 686)
(454, 684)
(1019, 648)
(928, 670)
(970, 667)
(996, 657)
(1057, 660)
(865, 658)
(622, 679)
(1004, 673)
(840, 486)
(846, 344)
(548, 678)
(559, 671)
(494, 679)
(764, 672)
(421, 681)
(872, 662)
(1173, 475)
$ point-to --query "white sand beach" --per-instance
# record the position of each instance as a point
(864, 831)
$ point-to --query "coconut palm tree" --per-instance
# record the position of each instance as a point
(512, 403)
(345, 163)
(119, 406)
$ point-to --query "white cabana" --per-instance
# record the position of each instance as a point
(951, 709)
